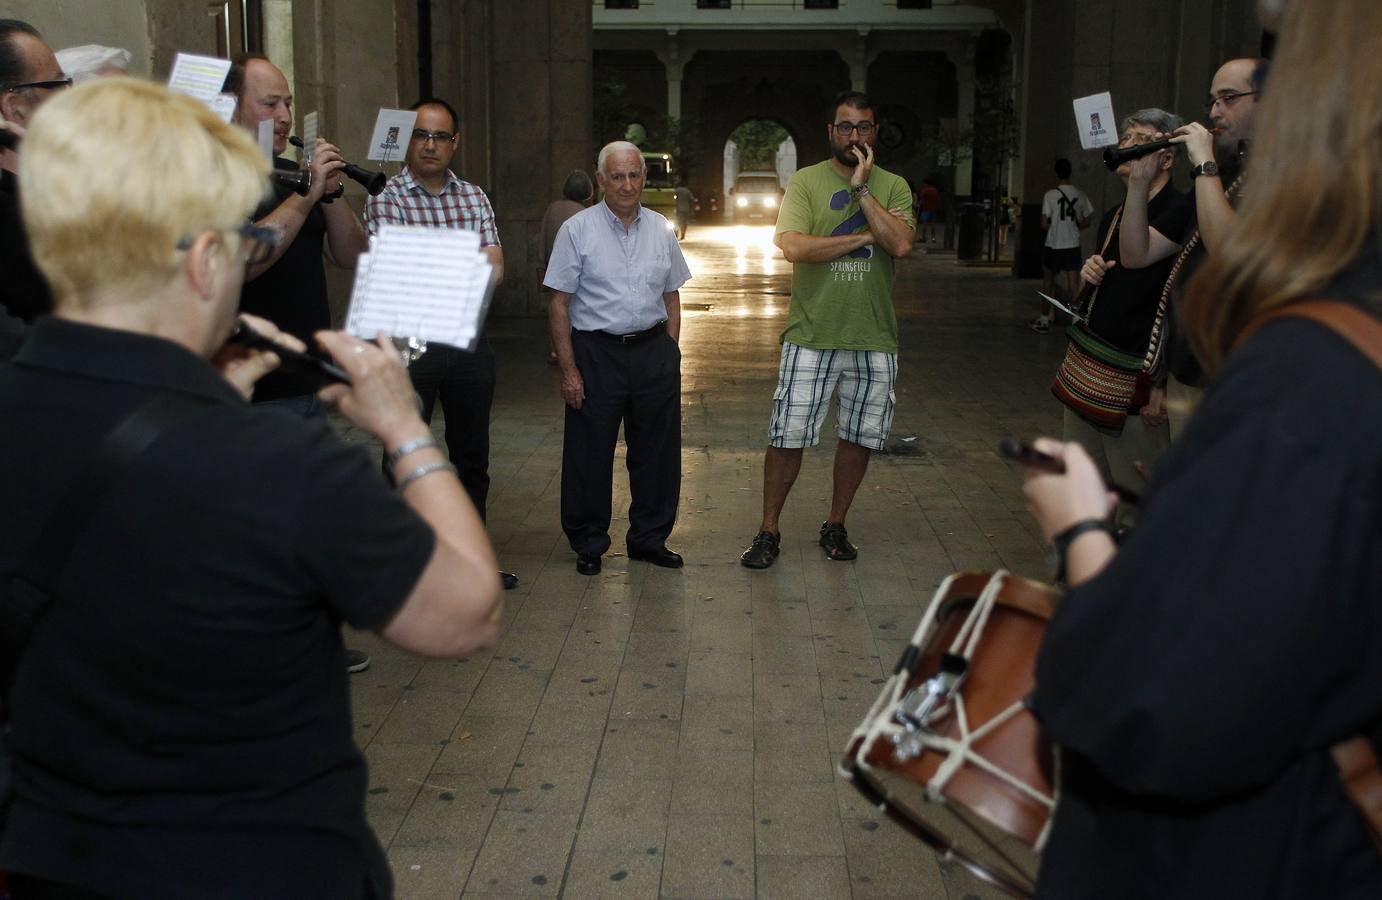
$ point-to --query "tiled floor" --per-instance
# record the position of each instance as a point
(651, 733)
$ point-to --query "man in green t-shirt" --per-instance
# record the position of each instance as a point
(842, 223)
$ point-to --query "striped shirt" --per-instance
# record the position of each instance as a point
(404, 201)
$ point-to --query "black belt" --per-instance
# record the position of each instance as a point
(631, 338)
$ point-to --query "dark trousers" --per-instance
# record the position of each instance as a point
(464, 382)
(638, 384)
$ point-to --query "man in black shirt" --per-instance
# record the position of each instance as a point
(289, 289)
(29, 75)
(1124, 309)
(179, 720)
(1216, 170)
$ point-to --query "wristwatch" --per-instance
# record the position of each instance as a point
(1208, 167)
(334, 195)
(859, 191)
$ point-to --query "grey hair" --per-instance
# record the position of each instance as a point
(618, 147)
(86, 62)
(1159, 119)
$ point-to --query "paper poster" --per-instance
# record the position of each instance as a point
(198, 76)
(1094, 119)
(392, 131)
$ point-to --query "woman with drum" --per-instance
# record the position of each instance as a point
(1198, 676)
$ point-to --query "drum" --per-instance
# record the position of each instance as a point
(949, 750)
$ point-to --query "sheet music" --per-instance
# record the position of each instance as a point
(198, 76)
(421, 282)
(310, 129)
(1062, 307)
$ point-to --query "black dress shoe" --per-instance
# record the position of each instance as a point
(659, 556)
(588, 564)
(509, 580)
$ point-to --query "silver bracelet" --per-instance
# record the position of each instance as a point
(412, 446)
(860, 192)
(422, 471)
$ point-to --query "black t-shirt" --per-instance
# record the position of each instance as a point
(181, 721)
(1196, 684)
(291, 293)
(23, 289)
(1125, 306)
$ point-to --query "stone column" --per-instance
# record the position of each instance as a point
(672, 59)
(857, 58)
(961, 56)
(527, 103)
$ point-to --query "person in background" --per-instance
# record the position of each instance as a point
(576, 194)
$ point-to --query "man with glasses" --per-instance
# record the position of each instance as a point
(1216, 170)
(428, 193)
(1123, 311)
(29, 75)
(289, 288)
(842, 224)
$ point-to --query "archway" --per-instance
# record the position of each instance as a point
(759, 154)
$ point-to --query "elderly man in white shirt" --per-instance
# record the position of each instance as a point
(615, 273)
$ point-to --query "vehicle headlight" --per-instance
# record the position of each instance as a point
(741, 201)
(769, 201)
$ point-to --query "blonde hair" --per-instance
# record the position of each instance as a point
(116, 171)
(1313, 190)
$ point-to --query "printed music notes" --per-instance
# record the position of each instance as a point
(420, 282)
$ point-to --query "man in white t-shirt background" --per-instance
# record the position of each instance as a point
(1064, 211)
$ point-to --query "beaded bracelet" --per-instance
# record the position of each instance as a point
(421, 471)
(412, 446)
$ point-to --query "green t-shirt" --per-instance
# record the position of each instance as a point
(844, 304)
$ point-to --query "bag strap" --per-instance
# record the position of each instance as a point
(1087, 305)
(1349, 322)
(1362, 778)
(31, 589)
(1152, 361)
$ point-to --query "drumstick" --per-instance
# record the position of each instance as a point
(1028, 455)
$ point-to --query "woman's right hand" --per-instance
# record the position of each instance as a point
(380, 397)
(1059, 501)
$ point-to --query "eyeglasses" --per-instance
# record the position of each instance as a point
(52, 85)
(257, 243)
(844, 128)
(1227, 99)
(1135, 139)
(441, 137)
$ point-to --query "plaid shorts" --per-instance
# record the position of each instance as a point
(805, 380)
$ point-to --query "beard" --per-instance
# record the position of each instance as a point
(847, 156)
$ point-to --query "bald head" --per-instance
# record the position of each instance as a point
(1233, 95)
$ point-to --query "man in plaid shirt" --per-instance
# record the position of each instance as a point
(427, 192)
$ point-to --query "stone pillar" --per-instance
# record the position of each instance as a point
(527, 106)
(857, 58)
(676, 65)
(961, 57)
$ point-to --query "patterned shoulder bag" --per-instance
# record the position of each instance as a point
(1097, 381)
